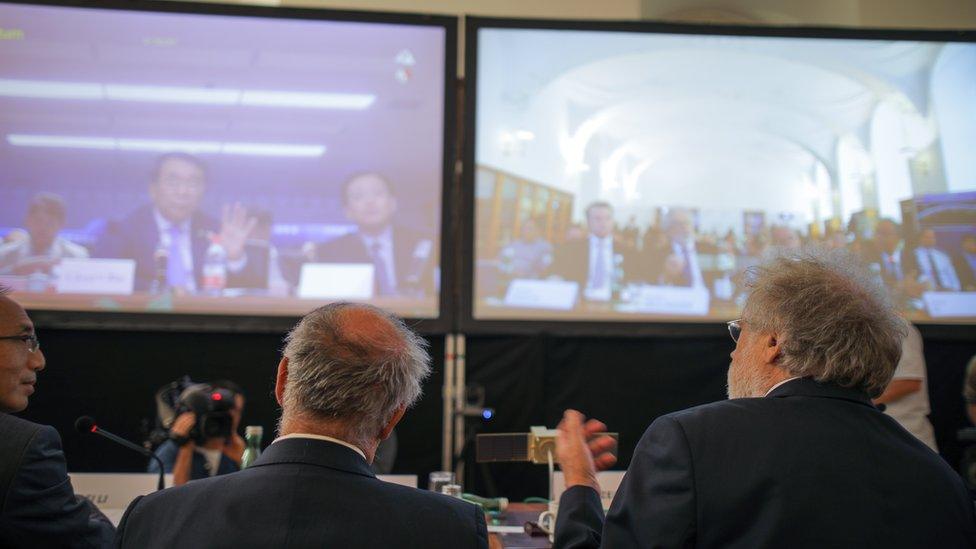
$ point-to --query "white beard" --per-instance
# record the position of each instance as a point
(745, 384)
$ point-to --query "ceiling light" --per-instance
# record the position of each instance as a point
(43, 89)
(166, 145)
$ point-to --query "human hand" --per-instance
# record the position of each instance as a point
(234, 448)
(183, 424)
(581, 453)
(235, 228)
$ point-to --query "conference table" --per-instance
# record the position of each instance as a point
(516, 515)
(112, 493)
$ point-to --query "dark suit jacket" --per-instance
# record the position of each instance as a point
(301, 493)
(909, 265)
(38, 507)
(571, 261)
(412, 274)
(967, 275)
(811, 465)
(137, 237)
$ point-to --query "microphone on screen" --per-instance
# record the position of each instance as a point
(87, 424)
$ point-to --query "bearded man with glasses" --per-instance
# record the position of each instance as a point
(38, 508)
(798, 456)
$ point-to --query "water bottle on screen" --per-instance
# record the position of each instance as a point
(252, 437)
(215, 268)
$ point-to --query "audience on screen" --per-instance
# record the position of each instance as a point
(528, 256)
(935, 267)
(38, 249)
(673, 253)
(402, 257)
(967, 263)
(798, 456)
(598, 262)
(676, 263)
(347, 376)
(170, 237)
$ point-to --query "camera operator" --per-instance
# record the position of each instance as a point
(203, 439)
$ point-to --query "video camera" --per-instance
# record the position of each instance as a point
(212, 407)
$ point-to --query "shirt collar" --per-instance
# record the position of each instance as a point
(595, 240)
(322, 437)
(385, 238)
(164, 224)
(773, 388)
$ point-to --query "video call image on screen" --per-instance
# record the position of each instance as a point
(219, 164)
(638, 175)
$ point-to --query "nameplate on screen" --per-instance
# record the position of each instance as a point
(336, 281)
(674, 300)
(950, 304)
(557, 295)
(96, 276)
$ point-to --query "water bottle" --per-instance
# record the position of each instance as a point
(252, 437)
(617, 280)
(215, 268)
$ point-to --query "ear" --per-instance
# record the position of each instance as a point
(281, 380)
(771, 348)
(388, 428)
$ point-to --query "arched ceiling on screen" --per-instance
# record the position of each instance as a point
(637, 112)
(735, 97)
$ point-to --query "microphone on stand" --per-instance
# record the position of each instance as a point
(86, 424)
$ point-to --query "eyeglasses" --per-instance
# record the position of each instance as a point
(31, 340)
(735, 328)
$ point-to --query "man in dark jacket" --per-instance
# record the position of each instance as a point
(171, 234)
(798, 457)
(403, 258)
(38, 508)
(348, 374)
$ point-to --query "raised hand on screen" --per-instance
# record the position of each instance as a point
(235, 228)
(580, 451)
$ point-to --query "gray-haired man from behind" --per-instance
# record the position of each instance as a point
(348, 374)
(797, 457)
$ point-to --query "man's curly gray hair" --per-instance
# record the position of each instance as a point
(836, 321)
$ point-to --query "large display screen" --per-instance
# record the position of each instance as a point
(637, 175)
(220, 162)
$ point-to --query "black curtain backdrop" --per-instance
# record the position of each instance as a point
(113, 375)
(529, 380)
(627, 382)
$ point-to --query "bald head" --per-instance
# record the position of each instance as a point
(354, 363)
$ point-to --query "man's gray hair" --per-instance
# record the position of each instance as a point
(835, 320)
(355, 363)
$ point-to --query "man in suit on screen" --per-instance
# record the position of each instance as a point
(600, 260)
(798, 457)
(403, 258)
(38, 507)
(348, 374)
(173, 228)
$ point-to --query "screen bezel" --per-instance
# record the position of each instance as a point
(704, 327)
(216, 322)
